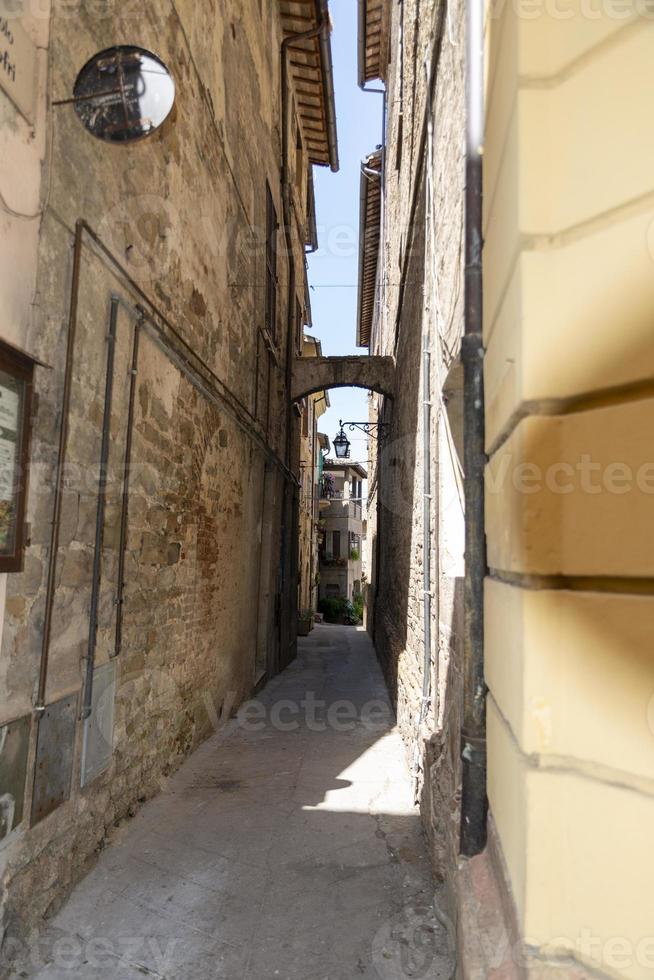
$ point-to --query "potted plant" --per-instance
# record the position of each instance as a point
(337, 609)
(305, 622)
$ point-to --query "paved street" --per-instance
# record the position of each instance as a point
(287, 846)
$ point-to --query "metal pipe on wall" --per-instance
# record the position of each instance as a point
(474, 804)
(426, 442)
(427, 495)
(124, 514)
(100, 512)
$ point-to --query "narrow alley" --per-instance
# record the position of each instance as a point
(326, 489)
(287, 846)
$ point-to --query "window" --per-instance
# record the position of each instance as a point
(271, 265)
(336, 544)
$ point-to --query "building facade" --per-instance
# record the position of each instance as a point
(568, 297)
(341, 514)
(152, 312)
(411, 218)
(562, 886)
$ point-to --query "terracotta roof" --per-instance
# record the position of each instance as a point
(369, 238)
(374, 16)
(310, 68)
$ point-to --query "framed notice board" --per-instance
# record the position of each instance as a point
(16, 378)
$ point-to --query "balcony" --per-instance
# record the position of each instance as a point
(328, 561)
(336, 508)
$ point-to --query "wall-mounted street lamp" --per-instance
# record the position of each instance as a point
(341, 443)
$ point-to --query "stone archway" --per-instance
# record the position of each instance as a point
(311, 374)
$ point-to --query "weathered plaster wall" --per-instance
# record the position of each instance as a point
(184, 212)
(569, 606)
(23, 147)
(22, 151)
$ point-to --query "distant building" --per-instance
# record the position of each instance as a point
(342, 529)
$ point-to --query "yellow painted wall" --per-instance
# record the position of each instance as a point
(569, 329)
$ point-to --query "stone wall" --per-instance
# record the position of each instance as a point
(421, 290)
(184, 213)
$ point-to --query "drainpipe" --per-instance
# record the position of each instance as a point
(124, 512)
(426, 448)
(474, 804)
(426, 445)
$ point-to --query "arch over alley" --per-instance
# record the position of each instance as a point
(311, 374)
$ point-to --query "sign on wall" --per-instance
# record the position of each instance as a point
(16, 370)
(18, 65)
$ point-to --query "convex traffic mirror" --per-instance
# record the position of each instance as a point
(123, 94)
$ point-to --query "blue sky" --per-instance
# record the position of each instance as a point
(333, 270)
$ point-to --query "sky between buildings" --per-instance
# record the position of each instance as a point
(334, 268)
